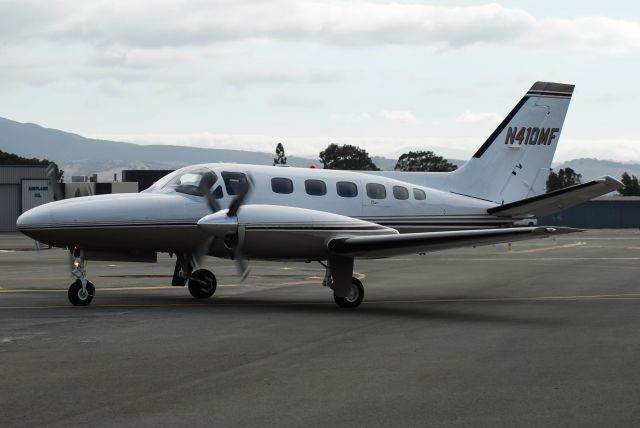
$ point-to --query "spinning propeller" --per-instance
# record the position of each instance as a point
(224, 223)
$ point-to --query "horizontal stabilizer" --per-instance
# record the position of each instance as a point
(558, 200)
(408, 243)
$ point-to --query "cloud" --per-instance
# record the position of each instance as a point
(350, 117)
(400, 116)
(263, 75)
(152, 24)
(471, 117)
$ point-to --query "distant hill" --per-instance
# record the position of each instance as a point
(78, 155)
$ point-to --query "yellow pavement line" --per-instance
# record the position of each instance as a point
(552, 247)
(144, 288)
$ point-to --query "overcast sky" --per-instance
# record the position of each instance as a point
(435, 75)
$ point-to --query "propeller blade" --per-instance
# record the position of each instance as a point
(243, 191)
(203, 251)
(241, 262)
(243, 266)
(204, 188)
(213, 203)
(224, 224)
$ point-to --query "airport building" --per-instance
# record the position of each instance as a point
(21, 188)
(606, 212)
(144, 177)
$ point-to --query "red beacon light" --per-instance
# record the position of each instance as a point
(312, 166)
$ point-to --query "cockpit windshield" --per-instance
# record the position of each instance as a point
(193, 181)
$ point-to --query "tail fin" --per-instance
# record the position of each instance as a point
(515, 160)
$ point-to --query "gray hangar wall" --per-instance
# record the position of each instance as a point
(607, 212)
(21, 188)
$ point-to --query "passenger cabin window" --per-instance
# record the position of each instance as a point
(315, 187)
(400, 192)
(281, 185)
(419, 194)
(376, 191)
(347, 189)
(233, 182)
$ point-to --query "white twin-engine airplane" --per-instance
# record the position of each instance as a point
(248, 212)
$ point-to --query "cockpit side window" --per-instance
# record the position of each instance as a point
(233, 181)
(195, 181)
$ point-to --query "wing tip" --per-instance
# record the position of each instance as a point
(610, 182)
(555, 230)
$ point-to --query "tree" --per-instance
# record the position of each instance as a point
(564, 178)
(280, 158)
(347, 157)
(631, 185)
(13, 159)
(423, 161)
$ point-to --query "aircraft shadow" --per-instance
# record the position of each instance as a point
(472, 311)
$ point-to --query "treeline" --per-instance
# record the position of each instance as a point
(354, 158)
(566, 177)
(7, 158)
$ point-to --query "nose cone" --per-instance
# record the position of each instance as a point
(38, 216)
(35, 220)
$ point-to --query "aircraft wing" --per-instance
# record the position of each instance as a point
(558, 200)
(392, 245)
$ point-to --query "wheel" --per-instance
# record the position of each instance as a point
(202, 284)
(78, 296)
(356, 294)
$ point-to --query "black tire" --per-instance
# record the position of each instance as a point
(202, 284)
(356, 294)
(79, 298)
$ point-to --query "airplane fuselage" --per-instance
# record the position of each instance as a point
(162, 219)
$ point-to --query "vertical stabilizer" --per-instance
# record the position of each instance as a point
(515, 160)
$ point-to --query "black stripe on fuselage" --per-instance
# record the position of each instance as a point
(312, 228)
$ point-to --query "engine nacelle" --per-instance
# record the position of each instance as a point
(279, 232)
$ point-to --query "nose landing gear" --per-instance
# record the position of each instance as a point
(82, 290)
(79, 295)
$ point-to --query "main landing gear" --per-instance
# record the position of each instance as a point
(355, 296)
(348, 291)
(82, 290)
(202, 282)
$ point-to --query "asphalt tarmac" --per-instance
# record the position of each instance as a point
(541, 333)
